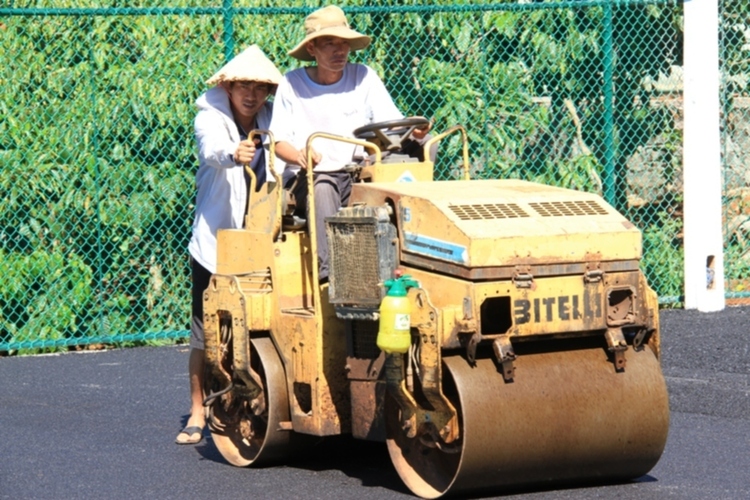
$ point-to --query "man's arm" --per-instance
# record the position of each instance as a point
(283, 127)
(384, 109)
(293, 156)
(420, 134)
(215, 146)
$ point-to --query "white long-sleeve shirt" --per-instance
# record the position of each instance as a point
(220, 183)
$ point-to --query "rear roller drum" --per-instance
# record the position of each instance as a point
(567, 417)
(248, 432)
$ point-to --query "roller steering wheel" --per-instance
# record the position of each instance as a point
(392, 134)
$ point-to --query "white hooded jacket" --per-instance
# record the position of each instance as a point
(221, 190)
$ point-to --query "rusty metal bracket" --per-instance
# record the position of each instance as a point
(467, 308)
(522, 277)
(505, 356)
(617, 346)
(471, 347)
(593, 273)
(593, 276)
(640, 337)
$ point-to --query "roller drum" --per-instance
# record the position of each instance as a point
(567, 417)
(268, 443)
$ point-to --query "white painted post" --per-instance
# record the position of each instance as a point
(704, 257)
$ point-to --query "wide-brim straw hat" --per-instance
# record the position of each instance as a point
(328, 21)
(249, 65)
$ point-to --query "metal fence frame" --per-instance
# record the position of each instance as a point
(229, 13)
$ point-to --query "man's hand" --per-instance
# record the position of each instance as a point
(302, 158)
(245, 152)
(292, 156)
(421, 133)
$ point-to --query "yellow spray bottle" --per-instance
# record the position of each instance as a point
(394, 334)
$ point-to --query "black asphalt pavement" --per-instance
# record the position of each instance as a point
(101, 424)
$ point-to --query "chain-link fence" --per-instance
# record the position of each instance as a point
(735, 65)
(97, 156)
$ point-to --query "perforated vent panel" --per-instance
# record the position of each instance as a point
(488, 211)
(363, 254)
(568, 208)
(356, 261)
(364, 339)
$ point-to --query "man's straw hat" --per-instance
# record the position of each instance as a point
(328, 21)
(249, 65)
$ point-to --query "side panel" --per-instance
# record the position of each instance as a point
(546, 306)
(240, 251)
(314, 357)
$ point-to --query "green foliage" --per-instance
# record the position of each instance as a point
(735, 60)
(46, 291)
(97, 161)
(97, 154)
(735, 46)
(663, 257)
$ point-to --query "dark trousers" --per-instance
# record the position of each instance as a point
(201, 277)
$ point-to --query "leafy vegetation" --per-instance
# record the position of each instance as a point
(735, 54)
(97, 155)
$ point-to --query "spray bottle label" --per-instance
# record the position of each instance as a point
(401, 322)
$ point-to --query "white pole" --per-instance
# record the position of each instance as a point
(704, 257)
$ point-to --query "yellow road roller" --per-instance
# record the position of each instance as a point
(493, 333)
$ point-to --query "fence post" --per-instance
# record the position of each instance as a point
(94, 128)
(228, 9)
(704, 258)
(609, 141)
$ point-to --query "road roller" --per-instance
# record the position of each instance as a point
(494, 334)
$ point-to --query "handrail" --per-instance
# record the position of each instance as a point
(312, 229)
(465, 139)
(270, 166)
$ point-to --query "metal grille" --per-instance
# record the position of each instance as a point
(488, 211)
(568, 208)
(364, 338)
(354, 262)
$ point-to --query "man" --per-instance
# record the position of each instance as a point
(332, 96)
(227, 112)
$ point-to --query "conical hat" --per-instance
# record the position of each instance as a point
(250, 65)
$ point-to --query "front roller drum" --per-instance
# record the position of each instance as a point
(243, 437)
(568, 417)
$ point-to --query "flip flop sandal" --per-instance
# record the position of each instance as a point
(189, 431)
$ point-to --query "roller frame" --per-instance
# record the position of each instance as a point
(444, 418)
(231, 304)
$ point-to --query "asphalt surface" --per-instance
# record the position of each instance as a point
(102, 424)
